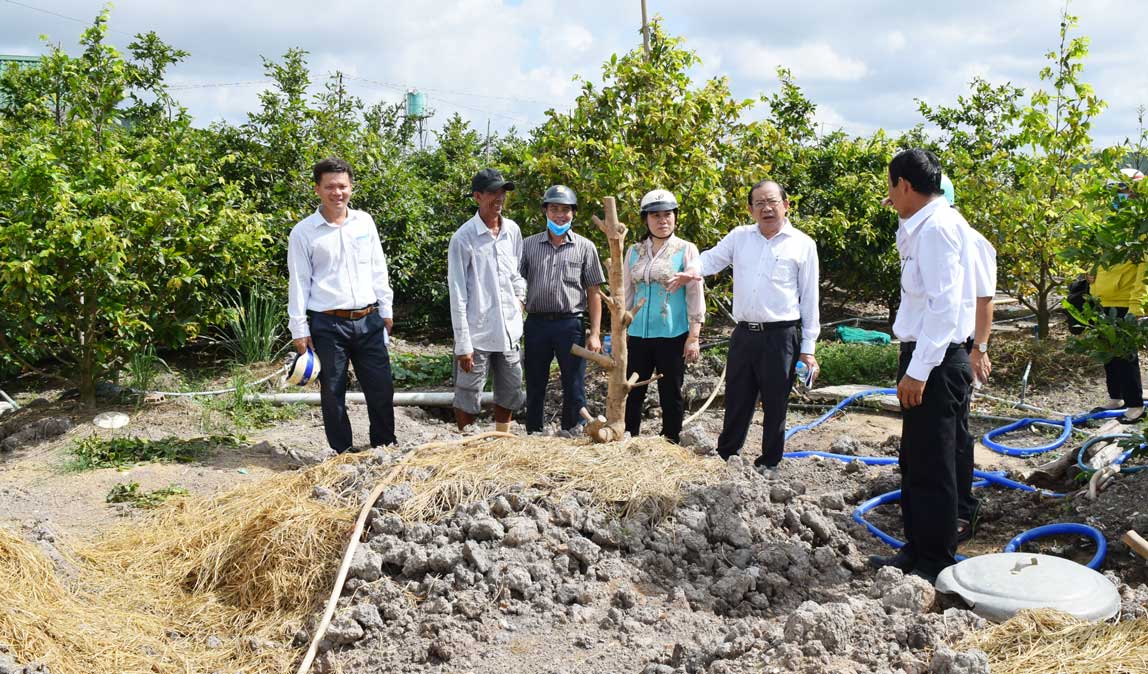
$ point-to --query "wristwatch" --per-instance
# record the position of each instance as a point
(983, 347)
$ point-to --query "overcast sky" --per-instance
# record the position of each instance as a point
(507, 61)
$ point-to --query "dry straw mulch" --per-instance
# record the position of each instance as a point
(249, 566)
(1046, 641)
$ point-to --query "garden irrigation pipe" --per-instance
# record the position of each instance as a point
(985, 478)
(348, 555)
(401, 399)
(713, 395)
(989, 439)
(192, 394)
(9, 400)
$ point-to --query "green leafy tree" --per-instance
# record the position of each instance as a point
(115, 230)
(649, 126)
(1022, 171)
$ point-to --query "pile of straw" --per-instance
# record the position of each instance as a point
(638, 474)
(249, 566)
(1046, 641)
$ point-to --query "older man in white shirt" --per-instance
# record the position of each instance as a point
(339, 304)
(934, 322)
(775, 304)
(486, 296)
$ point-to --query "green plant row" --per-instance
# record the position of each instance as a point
(96, 452)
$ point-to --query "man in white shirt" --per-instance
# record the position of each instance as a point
(985, 275)
(340, 304)
(775, 304)
(486, 296)
(934, 321)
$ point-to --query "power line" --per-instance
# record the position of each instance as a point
(212, 85)
(62, 16)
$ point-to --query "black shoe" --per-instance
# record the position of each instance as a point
(1125, 419)
(900, 560)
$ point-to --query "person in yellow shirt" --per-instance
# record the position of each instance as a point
(1122, 287)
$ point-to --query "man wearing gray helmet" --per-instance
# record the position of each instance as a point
(562, 275)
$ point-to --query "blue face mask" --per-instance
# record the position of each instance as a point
(558, 230)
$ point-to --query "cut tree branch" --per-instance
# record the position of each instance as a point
(599, 358)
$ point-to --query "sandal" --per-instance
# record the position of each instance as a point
(966, 529)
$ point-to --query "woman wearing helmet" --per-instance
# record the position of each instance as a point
(665, 332)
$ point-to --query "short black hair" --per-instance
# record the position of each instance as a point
(331, 165)
(920, 167)
(763, 183)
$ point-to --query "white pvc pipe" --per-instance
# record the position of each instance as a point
(402, 398)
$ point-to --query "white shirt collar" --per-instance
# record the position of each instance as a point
(910, 225)
(320, 220)
(480, 227)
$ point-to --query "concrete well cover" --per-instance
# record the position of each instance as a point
(1000, 584)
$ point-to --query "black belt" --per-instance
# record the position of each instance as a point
(966, 346)
(552, 316)
(762, 327)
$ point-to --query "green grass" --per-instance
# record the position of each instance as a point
(857, 364)
(245, 414)
(131, 493)
(94, 452)
(254, 331)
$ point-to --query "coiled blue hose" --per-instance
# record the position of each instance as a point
(1119, 461)
(985, 477)
(1060, 529)
(989, 439)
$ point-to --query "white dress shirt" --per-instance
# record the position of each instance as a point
(335, 267)
(485, 287)
(986, 264)
(774, 279)
(938, 284)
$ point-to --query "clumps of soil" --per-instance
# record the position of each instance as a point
(743, 575)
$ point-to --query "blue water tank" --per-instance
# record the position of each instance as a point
(416, 103)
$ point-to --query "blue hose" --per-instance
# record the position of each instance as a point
(986, 477)
(1119, 461)
(1060, 529)
(837, 408)
(989, 439)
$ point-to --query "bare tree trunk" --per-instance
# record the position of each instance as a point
(612, 426)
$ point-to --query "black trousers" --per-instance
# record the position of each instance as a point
(967, 504)
(759, 364)
(663, 354)
(359, 342)
(1122, 375)
(543, 341)
(930, 437)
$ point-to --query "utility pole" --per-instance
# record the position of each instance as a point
(645, 31)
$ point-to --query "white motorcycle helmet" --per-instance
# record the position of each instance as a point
(304, 369)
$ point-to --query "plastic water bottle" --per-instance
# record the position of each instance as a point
(804, 374)
(606, 344)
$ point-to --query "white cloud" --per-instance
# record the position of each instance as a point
(810, 61)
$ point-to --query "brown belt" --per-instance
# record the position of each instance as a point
(352, 314)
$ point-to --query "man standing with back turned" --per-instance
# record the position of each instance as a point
(339, 303)
(486, 295)
(936, 316)
(775, 295)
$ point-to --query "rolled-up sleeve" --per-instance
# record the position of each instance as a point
(298, 285)
(942, 275)
(456, 275)
(695, 292)
(808, 286)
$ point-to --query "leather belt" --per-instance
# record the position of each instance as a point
(352, 314)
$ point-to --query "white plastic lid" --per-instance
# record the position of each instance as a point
(998, 585)
(111, 420)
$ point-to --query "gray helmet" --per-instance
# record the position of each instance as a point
(560, 194)
(658, 200)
